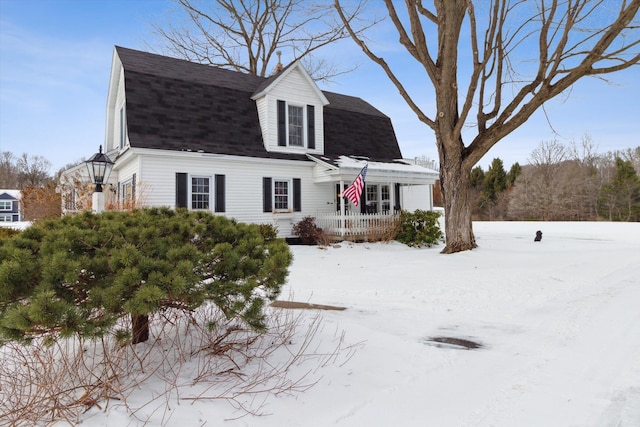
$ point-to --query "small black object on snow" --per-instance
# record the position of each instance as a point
(453, 343)
(538, 236)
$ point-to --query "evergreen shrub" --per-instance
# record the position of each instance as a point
(420, 228)
(80, 274)
(6, 232)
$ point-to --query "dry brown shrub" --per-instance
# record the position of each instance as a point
(139, 200)
(200, 352)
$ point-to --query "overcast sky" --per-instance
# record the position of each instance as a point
(55, 58)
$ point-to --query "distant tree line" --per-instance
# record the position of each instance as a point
(561, 183)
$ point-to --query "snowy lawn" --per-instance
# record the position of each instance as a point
(557, 321)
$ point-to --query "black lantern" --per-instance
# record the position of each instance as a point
(99, 166)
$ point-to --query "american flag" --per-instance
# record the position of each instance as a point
(354, 191)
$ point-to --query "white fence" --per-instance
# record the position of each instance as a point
(355, 225)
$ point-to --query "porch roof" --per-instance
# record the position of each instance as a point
(344, 168)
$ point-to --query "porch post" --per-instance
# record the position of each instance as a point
(430, 197)
(341, 209)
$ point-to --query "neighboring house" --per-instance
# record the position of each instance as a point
(10, 206)
(260, 150)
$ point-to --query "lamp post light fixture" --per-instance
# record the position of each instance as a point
(99, 167)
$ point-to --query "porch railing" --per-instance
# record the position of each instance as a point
(358, 226)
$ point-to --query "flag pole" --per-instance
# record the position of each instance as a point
(342, 208)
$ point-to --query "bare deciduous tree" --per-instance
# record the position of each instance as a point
(33, 170)
(8, 171)
(521, 55)
(26, 170)
(587, 181)
(244, 35)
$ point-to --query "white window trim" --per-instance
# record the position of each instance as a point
(6, 218)
(211, 192)
(3, 203)
(289, 182)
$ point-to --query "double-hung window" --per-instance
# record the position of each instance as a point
(127, 192)
(200, 192)
(296, 126)
(6, 218)
(372, 198)
(385, 198)
(70, 200)
(378, 198)
(6, 205)
(281, 195)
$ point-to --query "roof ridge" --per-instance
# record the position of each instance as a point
(149, 63)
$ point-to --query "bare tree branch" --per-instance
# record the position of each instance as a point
(522, 54)
(380, 61)
(245, 35)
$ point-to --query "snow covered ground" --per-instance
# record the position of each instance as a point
(558, 322)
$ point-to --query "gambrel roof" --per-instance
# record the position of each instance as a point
(173, 104)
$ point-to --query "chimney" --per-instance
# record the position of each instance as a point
(279, 66)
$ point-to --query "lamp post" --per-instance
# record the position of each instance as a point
(99, 166)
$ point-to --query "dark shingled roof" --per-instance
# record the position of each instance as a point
(174, 104)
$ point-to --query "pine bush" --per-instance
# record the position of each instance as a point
(80, 274)
(6, 232)
(419, 228)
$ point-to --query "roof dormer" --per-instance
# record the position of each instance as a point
(290, 109)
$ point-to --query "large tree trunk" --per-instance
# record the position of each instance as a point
(455, 182)
(501, 94)
(139, 328)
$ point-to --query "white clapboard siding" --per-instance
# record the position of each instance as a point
(126, 169)
(243, 184)
(295, 89)
(265, 116)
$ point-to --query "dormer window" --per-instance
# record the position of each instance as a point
(296, 125)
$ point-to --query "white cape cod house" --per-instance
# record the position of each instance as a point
(260, 150)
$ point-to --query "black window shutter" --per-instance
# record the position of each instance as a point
(133, 187)
(220, 193)
(338, 194)
(282, 124)
(297, 195)
(363, 200)
(266, 195)
(397, 197)
(181, 190)
(311, 127)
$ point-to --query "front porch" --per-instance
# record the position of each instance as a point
(388, 187)
(358, 226)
